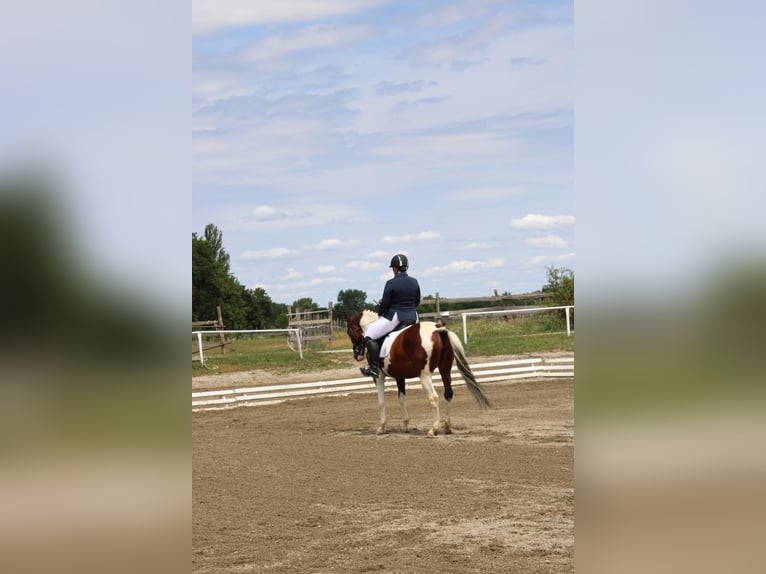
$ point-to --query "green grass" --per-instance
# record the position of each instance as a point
(271, 354)
(498, 337)
(485, 338)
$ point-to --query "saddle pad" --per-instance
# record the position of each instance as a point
(390, 338)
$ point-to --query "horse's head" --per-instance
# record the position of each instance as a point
(355, 333)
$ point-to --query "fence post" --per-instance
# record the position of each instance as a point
(199, 345)
(566, 310)
(329, 323)
(300, 343)
(465, 331)
(220, 328)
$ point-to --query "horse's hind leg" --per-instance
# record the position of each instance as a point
(447, 382)
(380, 383)
(433, 398)
(402, 396)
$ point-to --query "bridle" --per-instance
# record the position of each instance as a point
(356, 335)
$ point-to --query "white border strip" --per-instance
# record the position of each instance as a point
(485, 373)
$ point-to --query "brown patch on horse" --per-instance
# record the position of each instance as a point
(436, 353)
(443, 360)
(443, 355)
(407, 358)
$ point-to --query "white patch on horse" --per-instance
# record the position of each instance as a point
(427, 329)
(366, 319)
(385, 348)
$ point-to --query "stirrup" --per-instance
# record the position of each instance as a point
(368, 372)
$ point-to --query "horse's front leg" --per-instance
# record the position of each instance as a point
(402, 396)
(380, 383)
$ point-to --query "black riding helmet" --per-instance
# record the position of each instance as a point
(399, 260)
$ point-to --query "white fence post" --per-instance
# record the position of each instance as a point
(300, 342)
(566, 310)
(199, 346)
(465, 331)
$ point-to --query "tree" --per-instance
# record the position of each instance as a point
(260, 312)
(350, 301)
(212, 282)
(305, 304)
(214, 238)
(560, 285)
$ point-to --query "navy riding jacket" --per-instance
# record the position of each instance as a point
(401, 295)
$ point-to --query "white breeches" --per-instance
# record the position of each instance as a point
(381, 326)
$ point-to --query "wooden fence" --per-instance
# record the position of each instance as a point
(315, 324)
(217, 324)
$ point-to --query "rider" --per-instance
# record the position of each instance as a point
(401, 296)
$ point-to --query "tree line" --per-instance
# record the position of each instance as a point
(213, 284)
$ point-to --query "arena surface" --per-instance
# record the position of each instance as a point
(306, 486)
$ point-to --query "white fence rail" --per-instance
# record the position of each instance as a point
(485, 373)
(295, 333)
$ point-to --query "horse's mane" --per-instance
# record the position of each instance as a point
(367, 318)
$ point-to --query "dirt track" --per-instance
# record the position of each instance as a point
(306, 486)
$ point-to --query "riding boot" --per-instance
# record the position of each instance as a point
(373, 352)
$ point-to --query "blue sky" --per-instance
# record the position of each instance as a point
(330, 135)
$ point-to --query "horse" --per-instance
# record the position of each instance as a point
(416, 351)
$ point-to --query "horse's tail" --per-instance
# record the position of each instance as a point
(465, 369)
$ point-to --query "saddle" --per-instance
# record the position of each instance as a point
(384, 343)
(399, 327)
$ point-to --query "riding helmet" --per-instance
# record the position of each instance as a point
(399, 260)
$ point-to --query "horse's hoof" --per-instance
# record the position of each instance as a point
(380, 430)
(431, 432)
(447, 429)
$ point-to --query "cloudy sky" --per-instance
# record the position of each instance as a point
(329, 135)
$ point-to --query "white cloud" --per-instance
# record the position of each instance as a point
(363, 265)
(291, 274)
(325, 281)
(268, 213)
(303, 215)
(326, 269)
(538, 259)
(329, 244)
(213, 15)
(464, 266)
(477, 245)
(273, 253)
(487, 193)
(534, 221)
(311, 38)
(546, 241)
(422, 236)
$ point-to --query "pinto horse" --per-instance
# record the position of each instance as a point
(416, 351)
